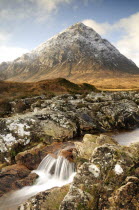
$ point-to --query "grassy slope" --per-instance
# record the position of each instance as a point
(10, 91)
(109, 80)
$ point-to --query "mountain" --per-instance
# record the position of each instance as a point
(78, 54)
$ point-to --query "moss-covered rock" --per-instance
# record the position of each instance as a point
(48, 200)
(127, 196)
(90, 142)
(107, 181)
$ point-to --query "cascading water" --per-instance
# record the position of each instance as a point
(52, 172)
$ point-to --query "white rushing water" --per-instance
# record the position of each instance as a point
(126, 138)
(52, 172)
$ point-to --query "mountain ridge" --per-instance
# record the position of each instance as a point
(76, 52)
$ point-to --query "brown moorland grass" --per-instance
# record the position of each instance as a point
(109, 80)
(10, 91)
(118, 84)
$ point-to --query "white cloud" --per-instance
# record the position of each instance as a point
(51, 5)
(128, 44)
(45, 8)
(101, 28)
(10, 53)
(22, 9)
(86, 2)
(4, 37)
(39, 9)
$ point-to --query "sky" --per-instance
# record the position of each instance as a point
(24, 24)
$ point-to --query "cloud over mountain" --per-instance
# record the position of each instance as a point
(128, 44)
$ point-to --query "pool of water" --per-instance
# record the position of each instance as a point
(128, 137)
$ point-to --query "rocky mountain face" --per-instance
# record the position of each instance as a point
(78, 53)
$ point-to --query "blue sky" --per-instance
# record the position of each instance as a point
(24, 24)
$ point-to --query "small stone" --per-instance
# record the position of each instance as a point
(94, 170)
(118, 169)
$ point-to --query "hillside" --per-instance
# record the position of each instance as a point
(11, 91)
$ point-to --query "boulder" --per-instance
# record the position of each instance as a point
(90, 142)
(10, 175)
(47, 200)
(126, 196)
(107, 181)
(30, 158)
(66, 117)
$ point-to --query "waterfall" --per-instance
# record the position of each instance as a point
(52, 172)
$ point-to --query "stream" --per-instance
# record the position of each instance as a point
(52, 172)
(55, 172)
(128, 137)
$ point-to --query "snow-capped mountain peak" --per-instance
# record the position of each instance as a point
(78, 49)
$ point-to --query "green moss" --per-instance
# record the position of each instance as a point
(82, 207)
(42, 139)
(94, 191)
(79, 160)
(55, 198)
(110, 178)
(14, 151)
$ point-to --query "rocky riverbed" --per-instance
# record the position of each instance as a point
(107, 178)
(64, 117)
(106, 171)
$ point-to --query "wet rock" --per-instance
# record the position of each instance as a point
(67, 153)
(32, 158)
(19, 175)
(10, 175)
(27, 181)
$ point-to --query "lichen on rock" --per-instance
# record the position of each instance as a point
(108, 180)
(66, 117)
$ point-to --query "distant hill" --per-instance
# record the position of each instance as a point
(11, 91)
(78, 54)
